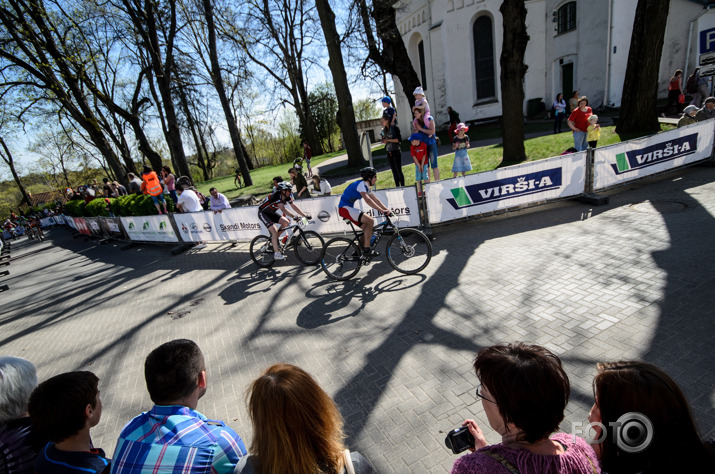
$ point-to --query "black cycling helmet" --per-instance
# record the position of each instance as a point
(368, 173)
(285, 186)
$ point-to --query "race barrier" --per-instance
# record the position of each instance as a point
(504, 188)
(618, 164)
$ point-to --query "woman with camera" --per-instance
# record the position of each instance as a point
(649, 426)
(524, 391)
(296, 427)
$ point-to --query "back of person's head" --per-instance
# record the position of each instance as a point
(172, 371)
(623, 388)
(529, 386)
(278, 179)
(58, 405)
(296, 426)
(167, 169)
(105, 180)
(179, 187)
(18, 379)
(317, 178)
(147, 169)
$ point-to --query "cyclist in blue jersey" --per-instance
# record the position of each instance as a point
(360, 189)
(271, 219)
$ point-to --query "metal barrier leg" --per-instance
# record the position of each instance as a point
(589, 197)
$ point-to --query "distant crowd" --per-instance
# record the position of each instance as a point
(640, 418)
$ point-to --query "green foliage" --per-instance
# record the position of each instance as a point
(96, 207)
(367, 109)
(324, 107)
(75, 208)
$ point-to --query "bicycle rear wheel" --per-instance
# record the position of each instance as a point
(409, 251)
(341, 258)
(309, 247)
(262, 251)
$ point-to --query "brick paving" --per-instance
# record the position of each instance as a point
(633, 279)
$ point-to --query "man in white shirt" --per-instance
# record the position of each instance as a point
(218, 201)
(188, 200)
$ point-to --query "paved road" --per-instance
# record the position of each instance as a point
(633, 279)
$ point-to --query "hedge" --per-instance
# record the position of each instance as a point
(129, 205)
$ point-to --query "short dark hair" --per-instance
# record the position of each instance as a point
(529, 386)
(179, 187)
(172, 370)
(57, 406)
(278, 179)
(147, 169)
(213, 189)
(710, 100)
(105, 180)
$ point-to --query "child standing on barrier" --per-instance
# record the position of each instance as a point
(418, 150)
(594, 131)
(460, 144)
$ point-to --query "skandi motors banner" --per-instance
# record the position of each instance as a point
(512, 186)
(242, 223)
(149, 228)
(635, 159)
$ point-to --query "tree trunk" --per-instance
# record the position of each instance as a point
(7, 158)
(217, 79)
(640, 86)
(512, 75)
(340, 81)
(192, 128)
(393, 58)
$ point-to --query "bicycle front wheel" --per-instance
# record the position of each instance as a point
(409, 251)
(341, 258)
(262, 251)
(309, 247)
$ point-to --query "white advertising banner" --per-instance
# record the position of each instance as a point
(617, 164)
(242, 223)
(508, 187)
(70, 221)
(150, 228)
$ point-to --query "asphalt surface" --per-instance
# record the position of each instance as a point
(630, 280)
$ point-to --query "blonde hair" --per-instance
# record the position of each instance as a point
(297, 427)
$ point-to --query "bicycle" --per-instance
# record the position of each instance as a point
(307, 244)
(408, 251)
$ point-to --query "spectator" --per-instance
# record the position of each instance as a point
(182, 439)
(593, 131)
(154, 189)
(64, 408)
(321, 185)
(461, 157)
(109, 190)
(453, 121)
(418, 151)
(307, 155)
(301, 185)
(276, 180)
(296, 427)
(121, 190)
(702, 88)
(688, 116)
(188, 200)
(19, 439)
(675, 86)
(708, 110)
(578, 122)
(573, 102)
(427, 127)
(559, 110)
(170, 182)
(391, 139)
(524, 391)
(389, 110)
(237, 178)
(218, 201)
(135, 184)
(624, 388)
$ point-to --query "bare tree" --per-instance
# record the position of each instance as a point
(387, 50)
(640, 86)
(277, 37)
(340, 81)
(513, 71)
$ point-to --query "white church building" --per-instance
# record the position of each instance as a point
(580, 45)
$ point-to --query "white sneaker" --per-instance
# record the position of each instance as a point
(279, 256)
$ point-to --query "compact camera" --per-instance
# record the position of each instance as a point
(459, 439)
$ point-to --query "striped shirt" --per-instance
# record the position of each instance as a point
(177, 439)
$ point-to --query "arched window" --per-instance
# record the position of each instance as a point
(423, 69)
(484, 57)
(566, 18)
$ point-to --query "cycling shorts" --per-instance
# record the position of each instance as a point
(269, 217)
(351, 214)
